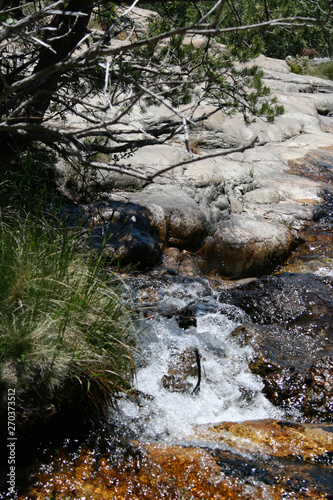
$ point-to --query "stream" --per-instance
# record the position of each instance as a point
(179, 438)
(228, 390)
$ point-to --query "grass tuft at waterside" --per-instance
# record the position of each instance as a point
(66, 335)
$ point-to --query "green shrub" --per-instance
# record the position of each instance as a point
(303, 65)
(323, 69)
(66, 336)
(29, 177)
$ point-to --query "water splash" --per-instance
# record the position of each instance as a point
(325, 270)
(228, 390)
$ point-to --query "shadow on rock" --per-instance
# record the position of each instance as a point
(127, 232)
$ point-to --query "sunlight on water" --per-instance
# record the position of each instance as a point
(325, 271)
(228, 390)
(321, 266)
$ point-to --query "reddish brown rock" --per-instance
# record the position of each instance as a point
(274, 438)
(164, 471)
(316, 165)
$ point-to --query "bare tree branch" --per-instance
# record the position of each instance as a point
(57, 65)
(225, 152)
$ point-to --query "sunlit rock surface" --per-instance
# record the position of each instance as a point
(275, 438)
(250, 460)
(253, 202)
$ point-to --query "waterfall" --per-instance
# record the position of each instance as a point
(228, 390)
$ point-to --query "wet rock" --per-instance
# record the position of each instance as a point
(290, 300)
(187, 318)
(183, 262)
(247, 461)
(324, 214)
(296, 368)
(319, 396)
(126, 229)
(150, 471)
(191, 265)
(275, 347)
(293, 342)
(311, 392)
(275, 438)
(286, 388)
(182, 367)
(315, 165)
(315, 255)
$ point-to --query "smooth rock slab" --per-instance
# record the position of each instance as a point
(264, 196)
(235, 211)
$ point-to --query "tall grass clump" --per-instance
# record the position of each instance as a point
(66, 337)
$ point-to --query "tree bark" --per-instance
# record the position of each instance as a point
(69, 31)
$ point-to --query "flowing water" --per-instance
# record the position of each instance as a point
(228, 390)
(163, 456)
(185, 316)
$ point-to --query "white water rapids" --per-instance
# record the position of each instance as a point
(228, 390)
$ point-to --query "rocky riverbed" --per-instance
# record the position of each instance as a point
(236, 371)
(256, 424)
(237, 215)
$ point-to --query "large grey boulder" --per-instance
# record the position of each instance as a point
(243, 246)
(178, 218)
(238, 212)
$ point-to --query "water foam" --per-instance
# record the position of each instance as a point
(228, 390)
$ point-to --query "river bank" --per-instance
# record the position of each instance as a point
(227, 440)
(222, 409)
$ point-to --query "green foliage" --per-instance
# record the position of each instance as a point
(179, 13)
(278, 41)
(323, 69)
(300, 65)
(303, 65)
(105, 15)
(30, 176)
(90, 75)
(65, 333)
(226, 84)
